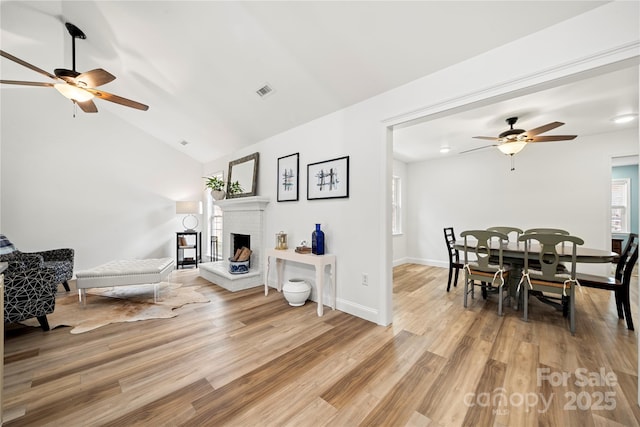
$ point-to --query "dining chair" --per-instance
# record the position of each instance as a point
(547, 231)
(508, 231)
(534, 264)
(549, 278)
(516, 232)
(454, 256)
(620, 282)
(480, 267)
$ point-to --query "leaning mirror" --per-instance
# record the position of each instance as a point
(244, 171)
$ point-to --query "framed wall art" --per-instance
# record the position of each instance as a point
(328, 179)
(288, 177)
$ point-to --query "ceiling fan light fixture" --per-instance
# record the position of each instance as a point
(72, 92)
(511, 148)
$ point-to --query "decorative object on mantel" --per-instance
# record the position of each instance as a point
(317, 241)
(216, 185)
(244, 173)
(288, 178)
(296, 292)
(241, 261)
(328, 179)
(281, 241)
(234, 188)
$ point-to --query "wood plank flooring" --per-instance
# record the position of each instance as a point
(249, 360)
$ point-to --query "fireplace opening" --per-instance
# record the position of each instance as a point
(240, 255)
(238, 241)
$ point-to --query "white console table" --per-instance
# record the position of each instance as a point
(318, 261)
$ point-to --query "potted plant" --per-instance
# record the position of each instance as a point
(234, 188)
(216, 185)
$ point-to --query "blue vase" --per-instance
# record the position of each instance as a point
(317, 241)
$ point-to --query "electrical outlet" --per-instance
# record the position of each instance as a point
(365, 279)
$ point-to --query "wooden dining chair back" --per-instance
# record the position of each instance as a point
(509, 231)
(548, 251)
(481, 247)
(547, 231)
(620, 282)
(454, 256)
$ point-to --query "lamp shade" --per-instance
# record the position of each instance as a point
(512, 147)
(189, 207)
(72, 92)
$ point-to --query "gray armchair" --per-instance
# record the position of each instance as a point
(59, 261)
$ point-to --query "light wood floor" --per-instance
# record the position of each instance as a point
(249, 360)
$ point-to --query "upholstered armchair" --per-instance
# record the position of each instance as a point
(59, 261)
(29, 290)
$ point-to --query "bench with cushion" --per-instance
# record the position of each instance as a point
(124, 273)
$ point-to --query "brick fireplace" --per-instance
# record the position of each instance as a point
(240, 217)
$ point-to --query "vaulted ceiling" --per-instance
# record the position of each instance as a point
(199, 64)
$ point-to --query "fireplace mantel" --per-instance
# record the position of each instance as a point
(254, 203)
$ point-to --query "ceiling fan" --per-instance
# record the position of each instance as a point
(512, 141)
(78, 87)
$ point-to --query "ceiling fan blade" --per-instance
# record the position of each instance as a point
(479, 148)
(26, 64)
(544, 128)
(22, 83)
(95, 78)
(488, 138)
(117, 99)
(88, 106)
(550, 138)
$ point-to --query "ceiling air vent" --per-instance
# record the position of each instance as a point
(265, 91)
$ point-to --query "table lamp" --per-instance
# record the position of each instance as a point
(189, 209)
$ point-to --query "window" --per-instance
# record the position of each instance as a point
(215, 226)
(396, 205)
(620, 196)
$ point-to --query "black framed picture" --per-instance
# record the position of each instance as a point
(328, 179)
(288, 177)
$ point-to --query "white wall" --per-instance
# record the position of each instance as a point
(400, 240)
(351, 226)
(560, 185)
(93, 182)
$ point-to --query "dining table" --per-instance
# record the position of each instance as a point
(513, 254)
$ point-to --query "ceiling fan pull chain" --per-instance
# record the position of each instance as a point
(513, 163)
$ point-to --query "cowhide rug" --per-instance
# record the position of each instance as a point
(119, 304)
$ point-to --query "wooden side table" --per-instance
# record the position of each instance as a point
(318, 261)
